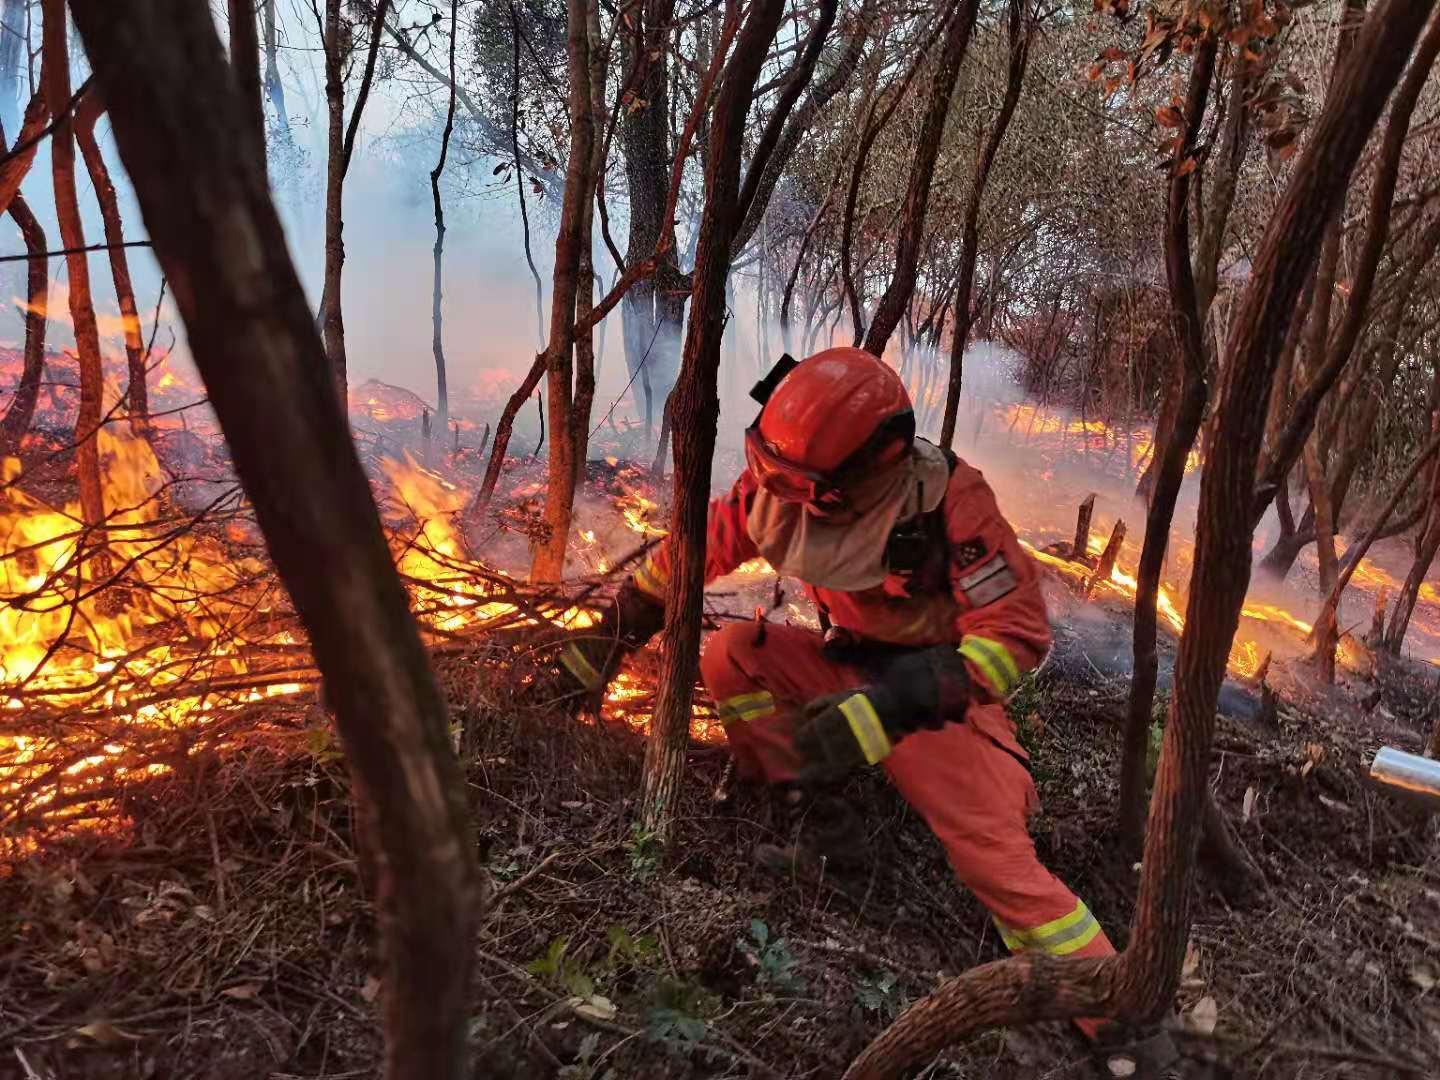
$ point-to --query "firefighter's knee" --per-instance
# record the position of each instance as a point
(726, 660)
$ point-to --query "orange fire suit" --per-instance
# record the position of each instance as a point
(978, 589)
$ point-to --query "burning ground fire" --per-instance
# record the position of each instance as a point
(161, 633)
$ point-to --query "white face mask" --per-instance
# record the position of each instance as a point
(848, 556)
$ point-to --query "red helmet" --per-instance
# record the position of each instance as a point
(839, 411)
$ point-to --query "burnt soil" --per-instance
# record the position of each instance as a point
(223, 932)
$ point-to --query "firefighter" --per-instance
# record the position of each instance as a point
(933, 610)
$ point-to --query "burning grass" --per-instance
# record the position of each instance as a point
(229, 937)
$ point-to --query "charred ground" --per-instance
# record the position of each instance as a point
(228, 935)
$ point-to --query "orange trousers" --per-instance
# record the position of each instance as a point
(966, 780)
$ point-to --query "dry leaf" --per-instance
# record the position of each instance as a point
(371, 990)
(1247, 808)
(1121, 1066)
(596, 1007)
(106, 1034)
(243, 992)
(1202, 1017)
(1422, 977)
(1192, 960)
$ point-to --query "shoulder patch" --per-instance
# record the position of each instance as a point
(989, 583)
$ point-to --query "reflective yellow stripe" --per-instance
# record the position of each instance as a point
(578, 664)
(866, 726)
(994, 662)
(745, 707)
(1013, 943)
(650, 579)
(1059, 937)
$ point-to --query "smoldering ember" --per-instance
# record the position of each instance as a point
(658, 539)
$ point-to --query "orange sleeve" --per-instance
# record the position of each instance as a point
(727, 541)
(1003, 626)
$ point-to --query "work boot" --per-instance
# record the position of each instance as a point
(1149, 1054)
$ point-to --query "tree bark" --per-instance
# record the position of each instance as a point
(12, 49)
(17, 166)
(651, 328)
(1140, 983)
(178, 121)
(55, 77)
(87, 113)
(1425, 550)
(922, 171)
(27, 390)
(339, 148)
(695, 409)
(437, 338)
(549, 557)
(1021, 25)
(274, 86)
(245, 59)
(1358, 551)
(1189, 322)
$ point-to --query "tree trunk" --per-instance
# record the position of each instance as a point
(652, 332)
(922, 171)
(503, 428)
(339, 148)
(332, 318)
(520, 192)
(1189, 322)
(1021, 30)
(180, 126)
(1140, 983)
(12, 49)
(1424, 551)
(16, 165)
(245, 60)
(87, 112)
(549, 557)
(274, 87)
(437, 339)
(1355, 554)
(695, 408)
(27, 390)
(56, 79)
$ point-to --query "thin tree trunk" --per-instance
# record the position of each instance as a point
(922, 171)
(1021, 30)
(1424, 551)
(56, 79)
(178, 122)
(17, 164)
(1188, 321)
(245, 60)
(524, 212)
(1359, 550)
(27, 390)
(339, 148)
(695, 409)
(12, 48)
(503, 429)
(332, 318)
(1140, 983)
(87, 112)
(549, 556)
(437, 340)
(274, 87)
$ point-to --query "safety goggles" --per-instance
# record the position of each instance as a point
(824, 493)
(788, 481)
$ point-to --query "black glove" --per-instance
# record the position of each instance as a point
(590, 657)
(915, 690)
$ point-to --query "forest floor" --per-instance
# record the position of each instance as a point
(225, 935)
